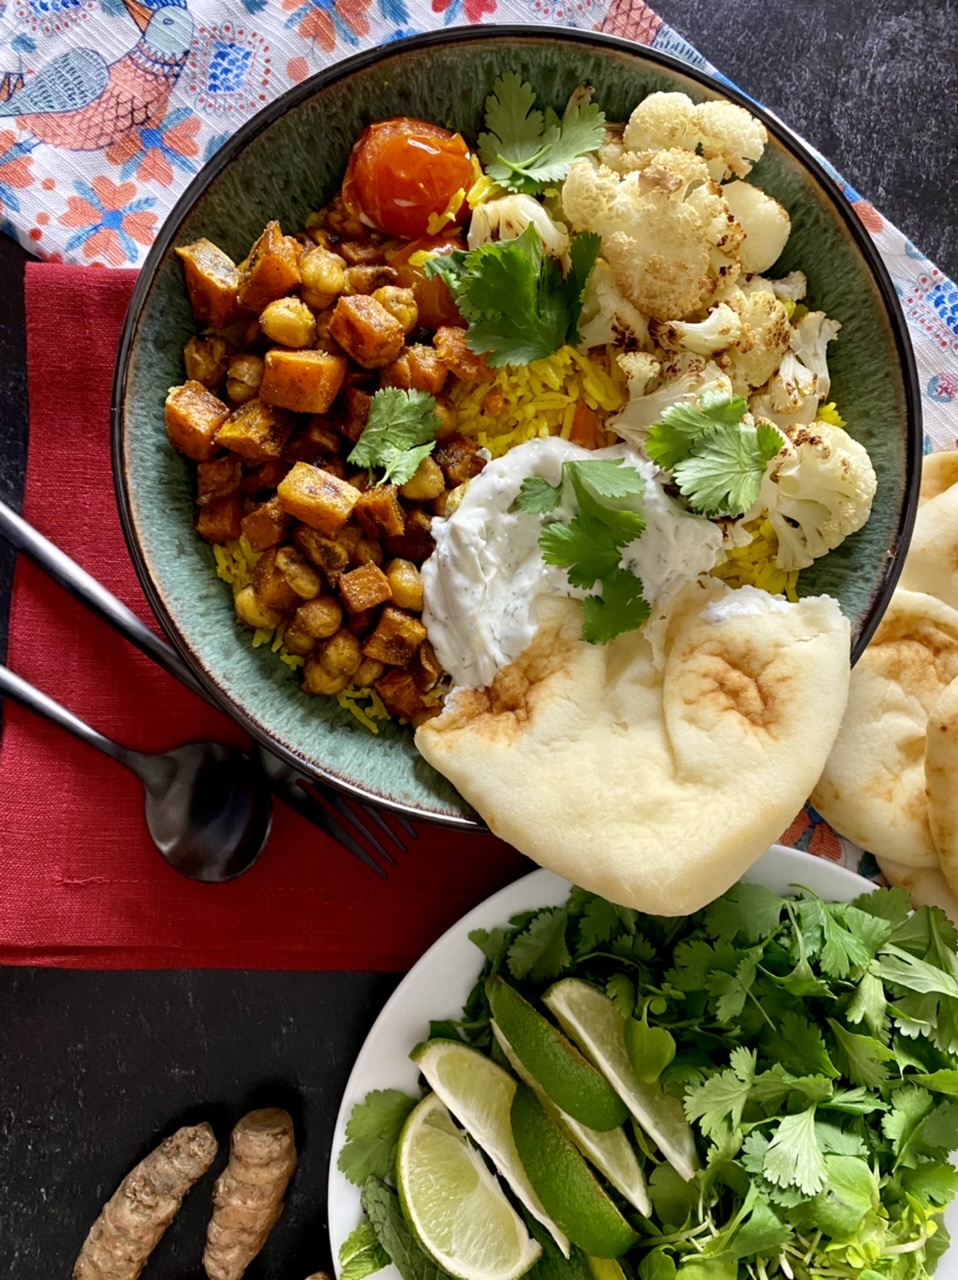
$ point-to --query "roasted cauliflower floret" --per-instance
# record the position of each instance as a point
(729, 138)
(607, 317)
(790, 396)
(763, 338)
(662, 120)
(687, 377)
(809, 340)
(817, 491)
(508, 216)
(667, 233)
(765, 225)
(718, 331)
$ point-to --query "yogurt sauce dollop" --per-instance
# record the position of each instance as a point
(483, 579)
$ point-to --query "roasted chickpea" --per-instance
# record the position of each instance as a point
(341, 655)
(289, 322)
(299, 573)
(253, 613)
(243, 377)
(368, 672)
(321, 617)
(324, 277)
(316, 679)
(447, 502)
(405, 580)
(427, 483)
(298, 640)
(400, 303)
(368, 552)
(206, 360)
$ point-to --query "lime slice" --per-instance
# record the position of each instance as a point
(479, 1094)
(455, 1204)
(564, 1182)
(609, 1150)
(570, 1080)
(591, 1019)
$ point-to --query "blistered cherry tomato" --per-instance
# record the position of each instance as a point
(433, 299)
(401, 171)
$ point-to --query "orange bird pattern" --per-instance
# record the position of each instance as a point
(81, 102)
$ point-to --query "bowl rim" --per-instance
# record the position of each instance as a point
(293, 97)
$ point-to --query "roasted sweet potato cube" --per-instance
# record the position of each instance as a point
(193, 417)
(458, 455)
(400, 694)
(332, 555)
(270, 584)
(212, 282)
(265, 475)
(587, 429)
(352, 412)
(217, 478)
(366, 331)
(271, 271)
(397, 637)
(319, 499)
(451, 347)
(257, 431)
(221, 519)
(416, 542)
(304, 381)
(316, 441)
(416, 368)
(380, 512)
(266, 525)
(364, 588)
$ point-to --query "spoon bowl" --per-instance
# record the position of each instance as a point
(208, 804)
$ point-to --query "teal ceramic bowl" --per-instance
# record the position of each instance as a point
(287, 162)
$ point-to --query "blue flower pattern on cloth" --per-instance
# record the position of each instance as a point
(135, 95)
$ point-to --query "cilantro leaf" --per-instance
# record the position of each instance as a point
(518, 304)
(749, 910)
(524, 149)
(721, 1100)
(673, 438)
(863, 1058)
(540, 952)
(724, 474)
(621, 607)
(537, 496)
(372, 1135)
(794, 1158)
(400, 431)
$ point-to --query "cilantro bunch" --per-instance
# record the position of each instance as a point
(814, 1047)
(518, 303)
(589, 545)
(399, 432)
(716, 453)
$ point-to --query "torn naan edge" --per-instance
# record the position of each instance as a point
(654, 787)
(872, 788)
(931, 563)
(941, 781)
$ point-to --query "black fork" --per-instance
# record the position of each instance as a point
(323, 806)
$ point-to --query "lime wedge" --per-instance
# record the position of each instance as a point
(455, 1204)
(591, 1019)
(570, 1080)
(564, 1182)
(479, 1094)
(609, 1150)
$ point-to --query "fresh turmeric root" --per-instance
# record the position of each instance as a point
(248, 1194)
(133, 1220)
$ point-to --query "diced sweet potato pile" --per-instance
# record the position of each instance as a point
(294, 342)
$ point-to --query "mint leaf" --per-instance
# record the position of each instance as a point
(381, 1206)
(361, 1254)
(400, 431)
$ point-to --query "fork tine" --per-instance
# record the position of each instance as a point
(406, 825)
(343, 807)
(309, 807)
(380, 821)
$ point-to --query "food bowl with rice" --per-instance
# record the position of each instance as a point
(429, 402)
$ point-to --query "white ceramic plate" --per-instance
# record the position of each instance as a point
(439, 983)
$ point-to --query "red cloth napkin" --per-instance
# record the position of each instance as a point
(81, 884)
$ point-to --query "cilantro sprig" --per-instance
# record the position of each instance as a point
(400, 431)
(525, 148)
(589, 544)
(518, 303)
(716, 453)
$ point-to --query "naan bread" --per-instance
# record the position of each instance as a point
(939, 471)
(941, 781)
(872, 789)
(926, 886)
(931, 564)
(656, 787)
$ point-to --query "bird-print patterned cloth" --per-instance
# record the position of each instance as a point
(109, 107)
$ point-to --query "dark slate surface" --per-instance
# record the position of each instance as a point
(95, 1067)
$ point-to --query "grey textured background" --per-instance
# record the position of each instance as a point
(93, 1067)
